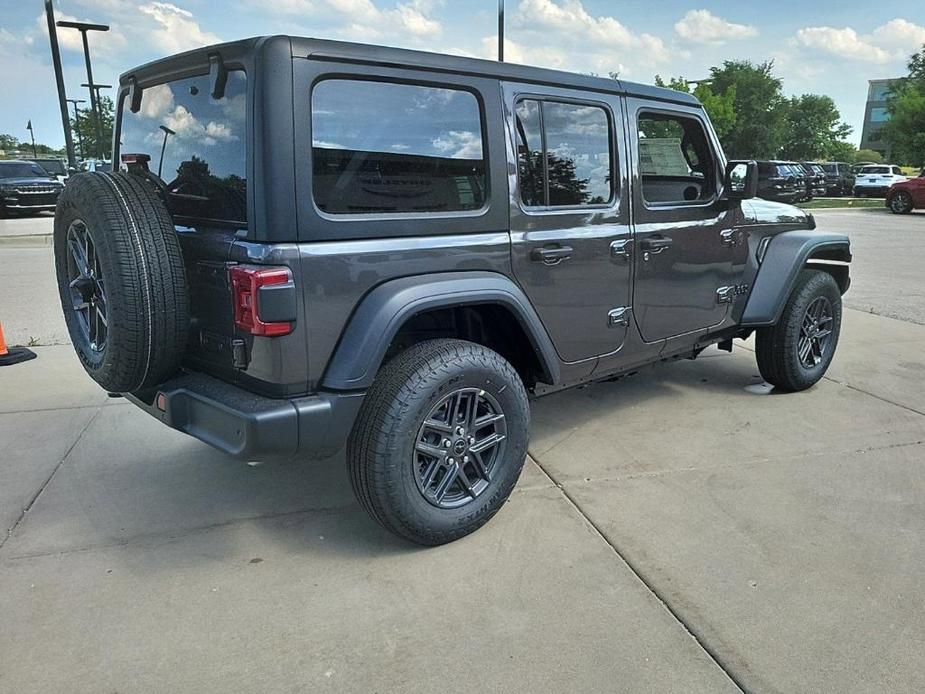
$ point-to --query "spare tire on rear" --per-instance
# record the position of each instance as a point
(121, 279)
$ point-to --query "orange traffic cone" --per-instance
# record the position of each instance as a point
(13, 355)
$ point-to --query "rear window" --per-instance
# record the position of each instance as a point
(53, 166)
(196, 144)
(875, 170)
(386, 148)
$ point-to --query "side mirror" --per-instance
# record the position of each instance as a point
(741, 180)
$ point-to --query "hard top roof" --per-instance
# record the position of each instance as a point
(343, 51)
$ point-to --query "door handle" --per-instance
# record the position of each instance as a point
(620, 249)
(729, 237)
(551, 255)
(655, 244)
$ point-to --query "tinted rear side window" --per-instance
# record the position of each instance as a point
(383, 147)
(197, 146)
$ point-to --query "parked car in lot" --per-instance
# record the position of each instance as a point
(908, 195)
(817, 179)
(777, 182)
(26, 188)
(839, 178)
(394, 250)
(96, 165)
(856, 168)
(55, 166)
(876, 180)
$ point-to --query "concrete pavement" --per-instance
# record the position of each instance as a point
(683, 530)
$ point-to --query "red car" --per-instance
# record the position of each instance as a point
(908, 195)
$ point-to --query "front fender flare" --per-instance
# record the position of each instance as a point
(381, 313)
(786, 255)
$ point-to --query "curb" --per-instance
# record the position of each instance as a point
(27, 240)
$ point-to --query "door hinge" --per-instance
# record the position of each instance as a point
(620, 250)
(619, 316)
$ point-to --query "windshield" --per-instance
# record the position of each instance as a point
(21, 169)
(875, 170)
(53, 166)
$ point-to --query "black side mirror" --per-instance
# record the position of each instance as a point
(741, 180)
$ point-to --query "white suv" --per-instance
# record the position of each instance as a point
(876, 180)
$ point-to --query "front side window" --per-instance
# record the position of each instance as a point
(675, 159)
(196, 144)
(563, 154)
(383, 147)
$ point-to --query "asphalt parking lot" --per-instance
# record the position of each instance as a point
(683, 530)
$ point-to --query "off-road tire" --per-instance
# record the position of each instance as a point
(901, 202)
(139, 257)
(381, 449)
(777, 347)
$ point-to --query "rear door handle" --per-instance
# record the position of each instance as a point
(552, 255)
(655, 244)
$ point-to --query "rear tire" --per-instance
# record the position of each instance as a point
(421, 458)
(901, 202)
(121, 280)
(795, 353)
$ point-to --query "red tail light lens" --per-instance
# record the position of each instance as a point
(245, 289)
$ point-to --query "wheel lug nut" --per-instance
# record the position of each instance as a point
(471, 440)
(460, 431)
(446, 443)
(465, 459)
(450, 461)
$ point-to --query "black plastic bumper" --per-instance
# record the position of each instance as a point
(249, 426)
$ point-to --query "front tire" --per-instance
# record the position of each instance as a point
(440, 440)
(795, 353)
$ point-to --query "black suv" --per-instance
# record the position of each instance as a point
(777, 182)
(839, 178)
(26, 188)
(330, 243)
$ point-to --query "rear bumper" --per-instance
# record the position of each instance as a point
(877, 191)
(249, 426)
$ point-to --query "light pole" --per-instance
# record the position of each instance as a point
(83, 28)
(501, 31)
(167, 133)
(59, 81)
(80, 139)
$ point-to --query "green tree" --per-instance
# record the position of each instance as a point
(905, 131)
(868, 155)
(720, 107)
(758, 105)
(85, 132)
(812, 128)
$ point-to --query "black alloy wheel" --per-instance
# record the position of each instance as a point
(458, 446)
(815, 332)
(87, 286)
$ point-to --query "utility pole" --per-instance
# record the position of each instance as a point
(59, 80)
(80, 139)
(83, 28)
(501, 31)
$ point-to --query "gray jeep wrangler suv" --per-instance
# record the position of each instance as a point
(312, 243)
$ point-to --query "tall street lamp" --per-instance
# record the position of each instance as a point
(501, 31)
(167, 133)
(59, 81)
(80, 139)
(83, 28)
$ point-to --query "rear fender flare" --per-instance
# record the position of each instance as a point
(382, 312)
(787, 254)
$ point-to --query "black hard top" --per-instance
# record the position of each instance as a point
(343, 51)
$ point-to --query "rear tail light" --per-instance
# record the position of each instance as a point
(264, 299)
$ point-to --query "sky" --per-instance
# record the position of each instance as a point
(823, 48)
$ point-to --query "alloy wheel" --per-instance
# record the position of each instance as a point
(87, 286)
(815, 332)
(459, 447)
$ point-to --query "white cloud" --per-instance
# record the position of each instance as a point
(175, 29)
(702, 26)
(101, 43)
(568, 22)
(890, 42)
(363, 20)
(459, 144)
